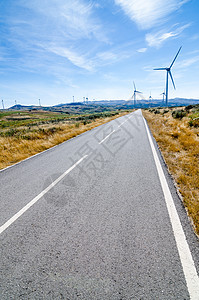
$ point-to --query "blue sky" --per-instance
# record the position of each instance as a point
(57, 49)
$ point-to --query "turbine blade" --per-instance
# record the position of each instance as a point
(138, 92)
(172, 79)
(160, 69)
(175, 57)
(134, 85)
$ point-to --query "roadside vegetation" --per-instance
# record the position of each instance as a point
(176, 131)
(26, 133)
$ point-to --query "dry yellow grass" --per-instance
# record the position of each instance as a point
(14, 149)
(179, 144)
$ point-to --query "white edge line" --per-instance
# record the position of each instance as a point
(187, 262)
(32, 202)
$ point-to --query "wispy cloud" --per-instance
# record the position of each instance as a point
(148, 13)
(112, 56)
(70, 19)
(195, 37)
(76, 59)
(188, 62)
(157, 38)
(107, 56)
(142, 50)
(68, 29)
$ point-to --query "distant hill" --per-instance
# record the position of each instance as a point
(184, 101)
(28, 107)
(102, 105)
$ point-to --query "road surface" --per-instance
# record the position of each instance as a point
(97, 217)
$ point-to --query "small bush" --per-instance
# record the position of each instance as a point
(190, 123)
(194, 123)
(26, 137)
(52, 130)
(178, 114)
(165, 111)
(10, 132)
(85, 122)
(187, 108)
(156, 111)
(175, 134)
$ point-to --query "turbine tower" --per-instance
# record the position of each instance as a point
(3, 104)
(163, 94)
(150, 97)
(169, 74)
(135, 92)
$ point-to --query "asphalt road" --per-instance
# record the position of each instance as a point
(91, 219)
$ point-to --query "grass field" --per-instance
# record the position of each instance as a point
(176, 131)
(26, 133)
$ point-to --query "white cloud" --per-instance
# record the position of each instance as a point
(156, 39)
(71, 19)
(75, 58)
(110, 56)
(69, 29)
(188, 62)
(142, 50)
(148, 13)
(195, 37)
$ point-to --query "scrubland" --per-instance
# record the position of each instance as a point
(25, 133)
(176, 131)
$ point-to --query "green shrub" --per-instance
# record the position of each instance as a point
(194, 123)
(26, 137)
(10, 132)
(187, 108)
(156, 111)
(165, 111)
(178, 114)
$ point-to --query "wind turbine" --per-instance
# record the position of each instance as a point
(169, 74)
(3, 104)
(163, 94)
(150, 97)
(135, 92)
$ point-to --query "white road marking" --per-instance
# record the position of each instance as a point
(2, 170)
(128, 117)
(121, 124)
(32, 202)
(114, 130)
(107, 137)
(187, 262)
